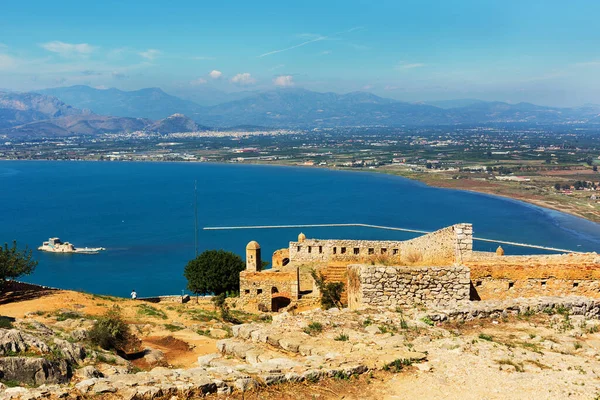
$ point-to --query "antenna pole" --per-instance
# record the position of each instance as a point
(196, 217)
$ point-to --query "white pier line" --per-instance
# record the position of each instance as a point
(390, 228)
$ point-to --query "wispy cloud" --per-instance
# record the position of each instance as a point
(150, 54)
(325, 52)
(68, 49)
(405, 65)
(284, 81)
(7, 62)
(198, 82)
(243, 79)
(276, 67)
(202, 58)
(314, 38)
(215, 74)
(118, 75)
(593, 63)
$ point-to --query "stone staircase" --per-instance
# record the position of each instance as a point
(335, 272)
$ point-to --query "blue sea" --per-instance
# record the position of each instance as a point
(143, 214)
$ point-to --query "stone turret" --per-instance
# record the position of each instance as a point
(301, 237)
(499, 251)
(253, 260)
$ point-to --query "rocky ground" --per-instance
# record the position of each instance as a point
(545, 349)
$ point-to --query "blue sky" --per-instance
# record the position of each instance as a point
(546, 52)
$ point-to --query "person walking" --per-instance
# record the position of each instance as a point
(133, 294)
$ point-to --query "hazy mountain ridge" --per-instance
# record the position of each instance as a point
(151, 103)
(35, 114)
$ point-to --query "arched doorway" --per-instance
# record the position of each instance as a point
(278, 302)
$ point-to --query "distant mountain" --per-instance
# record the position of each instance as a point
(150, 103)
(305, 108)
(175, 123)
(208, 96)
(22, 108)
(42, 114)
(447, 104)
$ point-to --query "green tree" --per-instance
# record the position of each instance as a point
(15, 263)
(557, 186)
(214, 271)
(331, 292)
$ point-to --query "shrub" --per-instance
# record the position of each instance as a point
(173, 328)
(145, 309)
(313, 328)
(331, 292)
(398, 364)
(110, 332)
(6, 322)
(342, 337)
(427, 320)
(483, 336)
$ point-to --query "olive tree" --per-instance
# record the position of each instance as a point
(15, 263)
(214, 272)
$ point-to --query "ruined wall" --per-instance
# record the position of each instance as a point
(280, 257)
(370, 285)
(443, 247)
(501, 277)
(257, 289)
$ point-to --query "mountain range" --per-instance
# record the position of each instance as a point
(86, 110)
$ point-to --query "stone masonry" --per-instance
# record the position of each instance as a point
(399, 285)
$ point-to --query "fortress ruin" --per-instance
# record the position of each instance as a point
(436, 268)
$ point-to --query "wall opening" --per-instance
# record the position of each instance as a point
(310, 249)
(511, 285)
(247, 291)
(320, 249)
(478, 283)
(258, 291)
(298, 249)
(274, 290)
(277, 303)
(371, 250)
(395, 251)
(575, 284)
(335, 250)
(543, 284)
(356, 251)
(285, 261)
(343, 250)
(383, 250)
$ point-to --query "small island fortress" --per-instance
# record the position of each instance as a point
(55, 245)
(434, 269)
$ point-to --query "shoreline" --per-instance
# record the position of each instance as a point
(528, 201)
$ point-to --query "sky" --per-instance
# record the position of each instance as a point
(541, 51)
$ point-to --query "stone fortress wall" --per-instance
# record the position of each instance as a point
(441, 247)
(398, 285)
(497, 277)
(435, 268)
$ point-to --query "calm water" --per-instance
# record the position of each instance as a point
(143, 214)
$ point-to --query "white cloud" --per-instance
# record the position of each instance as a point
(215, 74)
(284, 81)
(325, 52)
(7, 62)
(68, 49)
(150, 54)
(243, 79)
(404, 65)
(199, 81)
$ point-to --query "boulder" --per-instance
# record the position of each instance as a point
(88, 372)
(154, 357)
(33, 370)
(72, 352)
(15, 341)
